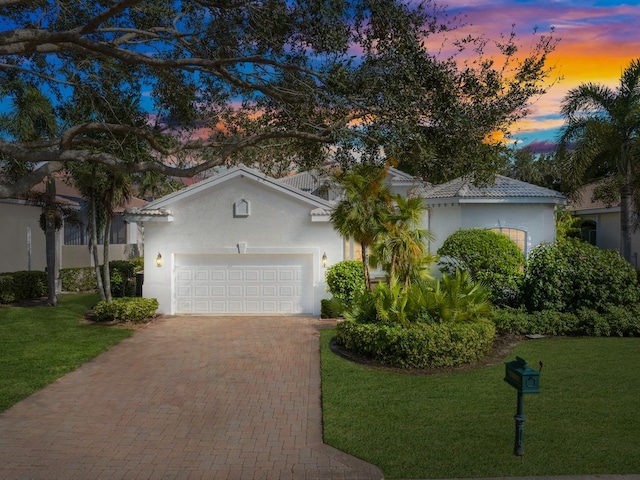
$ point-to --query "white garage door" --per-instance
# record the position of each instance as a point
(243, 284)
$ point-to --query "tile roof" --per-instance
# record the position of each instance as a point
(502, 188)
(305, 181)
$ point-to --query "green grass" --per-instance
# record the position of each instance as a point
(40, 344)
(585, 420)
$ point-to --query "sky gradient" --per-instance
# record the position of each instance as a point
(598, 39)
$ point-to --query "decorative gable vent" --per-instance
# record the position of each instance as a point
(241, 208)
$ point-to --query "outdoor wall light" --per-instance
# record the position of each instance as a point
(324, 260)
(159, 260)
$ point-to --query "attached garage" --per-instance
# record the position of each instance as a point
(243, 284)
(238, 243)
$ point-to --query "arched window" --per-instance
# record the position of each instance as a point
(519, 237)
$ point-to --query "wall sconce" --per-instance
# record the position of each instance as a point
(159, 260)
(324, 260)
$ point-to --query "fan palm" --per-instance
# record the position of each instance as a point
(600, 139)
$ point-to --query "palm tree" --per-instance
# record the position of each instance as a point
(600, 139)
(32, 118)
(400, 247)
(359, 214)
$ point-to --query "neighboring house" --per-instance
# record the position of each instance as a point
(244, 243)
(22, 241)
(600, 222)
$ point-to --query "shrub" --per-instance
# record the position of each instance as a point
(571, 274)
(6, 289)
(615, 321)
(78, 279)
(134, 310)
(544, 322)
(454, 298)
(490, 258)
(331, 307)
(345, 280)
(122, 277)
(420, 345)
(23, 285)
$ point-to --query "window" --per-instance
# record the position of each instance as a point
(519, 237)
(77, 233)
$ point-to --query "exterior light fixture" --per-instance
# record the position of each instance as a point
(159, 260)
(324, 260)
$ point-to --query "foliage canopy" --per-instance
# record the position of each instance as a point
(266, 82)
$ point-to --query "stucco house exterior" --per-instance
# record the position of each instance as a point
(244, 243)
(520, 210)
(22, 241)
(600, 222)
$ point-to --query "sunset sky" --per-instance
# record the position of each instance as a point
(598, 39)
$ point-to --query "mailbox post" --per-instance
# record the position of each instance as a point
(525, 380)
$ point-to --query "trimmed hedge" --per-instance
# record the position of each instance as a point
(81, 279)
(615, 321)
(420, 345)
(23, 285)
(134, 310)
(490, 257)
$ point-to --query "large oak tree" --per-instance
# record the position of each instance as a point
(259, 80)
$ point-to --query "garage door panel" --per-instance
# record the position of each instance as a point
(256, 284)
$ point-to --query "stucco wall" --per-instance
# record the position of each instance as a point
(608, 233)
(205, 223)
(19, 222)
(537, 220)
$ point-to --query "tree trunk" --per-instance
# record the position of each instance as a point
(93, 247)
(50, 240)
(626, 211)
(105, 267)
(365, 265)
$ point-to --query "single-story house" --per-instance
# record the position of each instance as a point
(600, 222)
(241, 242)
(22, 241)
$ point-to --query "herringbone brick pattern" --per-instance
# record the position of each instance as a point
(184, 398)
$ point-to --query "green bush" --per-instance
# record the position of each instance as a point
(134, 310)
(6, 289)
(331, 307)
(420, 345)
(571, 274)
(78, 279)
(491, 258)
(122, 274)
(615, 321)
(345, 280)
(26, 285)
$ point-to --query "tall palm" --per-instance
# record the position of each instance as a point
(601, 137)
(359, 214)
(31, 118)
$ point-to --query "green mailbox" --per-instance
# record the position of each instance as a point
(521, 376)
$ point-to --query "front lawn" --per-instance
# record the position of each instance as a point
(41, 344)
(584, 421)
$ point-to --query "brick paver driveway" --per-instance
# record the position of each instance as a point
(184, 398)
